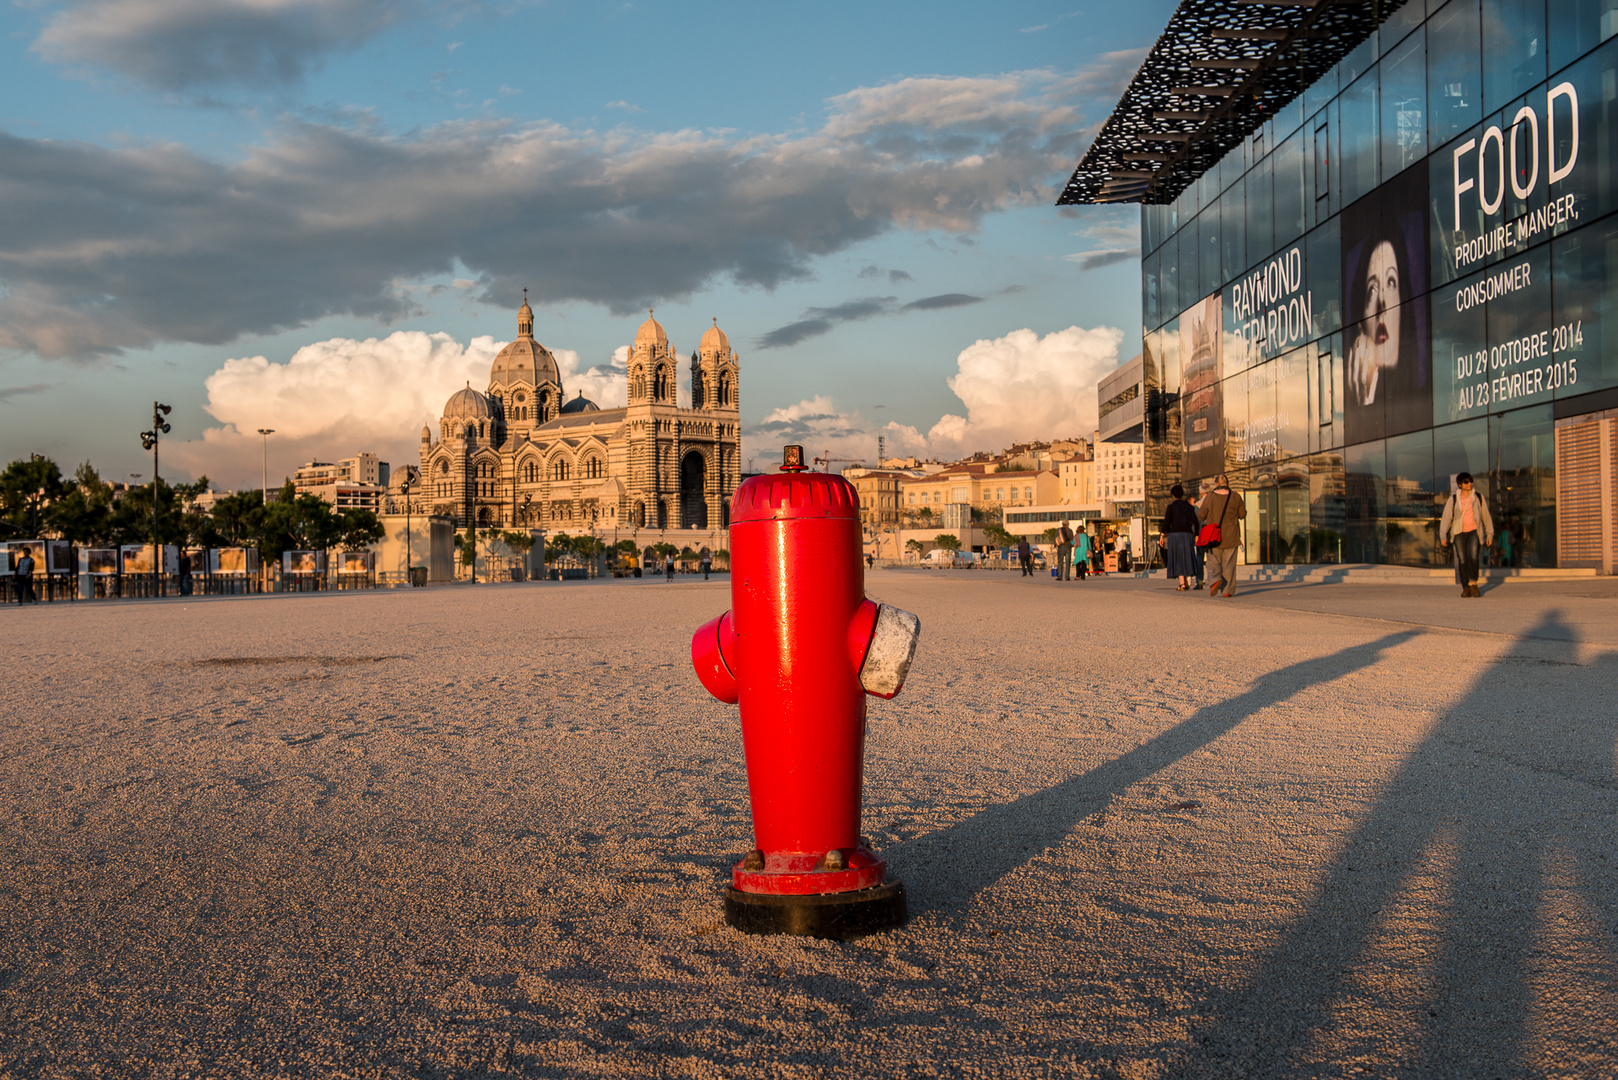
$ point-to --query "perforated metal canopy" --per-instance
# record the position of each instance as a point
(1220, 69)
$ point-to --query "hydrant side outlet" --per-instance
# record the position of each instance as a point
(892, 648)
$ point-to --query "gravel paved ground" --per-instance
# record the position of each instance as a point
(480, 831)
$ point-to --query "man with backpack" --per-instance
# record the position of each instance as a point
(1064, 552)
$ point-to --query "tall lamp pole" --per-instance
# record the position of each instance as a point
(266, 432)
(149, 440)
(405, 488)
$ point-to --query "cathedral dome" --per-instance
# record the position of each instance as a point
(651, 333)
(580, 404)
(714, 339)
(467, 404)
(524, 360)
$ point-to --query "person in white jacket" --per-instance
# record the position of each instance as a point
(1466, 525)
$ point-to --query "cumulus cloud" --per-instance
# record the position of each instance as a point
(1015, 388)
(103, 249)
(182, 45)
(338, 397)
(341, 396)
(1024, 386)
(607, 386)
(331, 399)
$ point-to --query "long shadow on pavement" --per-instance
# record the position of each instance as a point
(1015, 832)
(1439, 940)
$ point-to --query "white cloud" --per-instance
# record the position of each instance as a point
(331, 399)
(338, 397)
(608, 387)
(1015, 388)
(1023, 386)
(341, 396)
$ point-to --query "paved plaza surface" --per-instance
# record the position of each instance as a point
(1321, 830)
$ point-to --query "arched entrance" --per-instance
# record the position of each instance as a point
(693, 484)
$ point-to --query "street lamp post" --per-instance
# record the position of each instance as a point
(266, 432)
(405, 489)
(149, 440)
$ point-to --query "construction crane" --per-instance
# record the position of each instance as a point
(827, 461)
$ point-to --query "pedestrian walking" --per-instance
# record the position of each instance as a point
(1124, 551)
(706, 562)
(1226, 510)
(1180, 527)
(1467, 526)
(1064, 553)
(185, 574)
(668, 568)
(1025, 555)
(1081, 554)
(25, 578)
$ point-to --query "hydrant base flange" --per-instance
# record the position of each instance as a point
(843, 916)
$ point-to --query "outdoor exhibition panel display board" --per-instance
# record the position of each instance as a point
(139, 563)
(98, 573)
(302, 571)
(356, 569)
(233, 570)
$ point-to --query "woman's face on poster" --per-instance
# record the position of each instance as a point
(1382, 297)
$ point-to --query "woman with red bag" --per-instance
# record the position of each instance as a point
(1221, 512)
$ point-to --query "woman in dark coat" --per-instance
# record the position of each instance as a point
(1180, 526)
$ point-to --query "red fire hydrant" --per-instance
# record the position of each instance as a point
(799, 650)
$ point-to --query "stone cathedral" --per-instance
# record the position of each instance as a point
(523, 454)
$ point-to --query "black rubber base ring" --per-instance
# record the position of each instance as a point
(843, 916)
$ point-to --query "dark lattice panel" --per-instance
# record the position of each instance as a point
(1221, 68)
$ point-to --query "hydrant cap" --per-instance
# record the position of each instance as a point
(779, 496)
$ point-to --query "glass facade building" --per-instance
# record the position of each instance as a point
(1404, 274)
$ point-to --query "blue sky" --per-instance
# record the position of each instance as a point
(319, 215)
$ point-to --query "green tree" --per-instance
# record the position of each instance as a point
(28, 487)
(914, 546)
(588, 547)
(947, 541)
(998, 536)
(518, 541)
(131, 519)
(628, 547)
(83, 514)
(239, 518)
(558, 547)
(468, 546)
(358, 529)
(296, 522)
